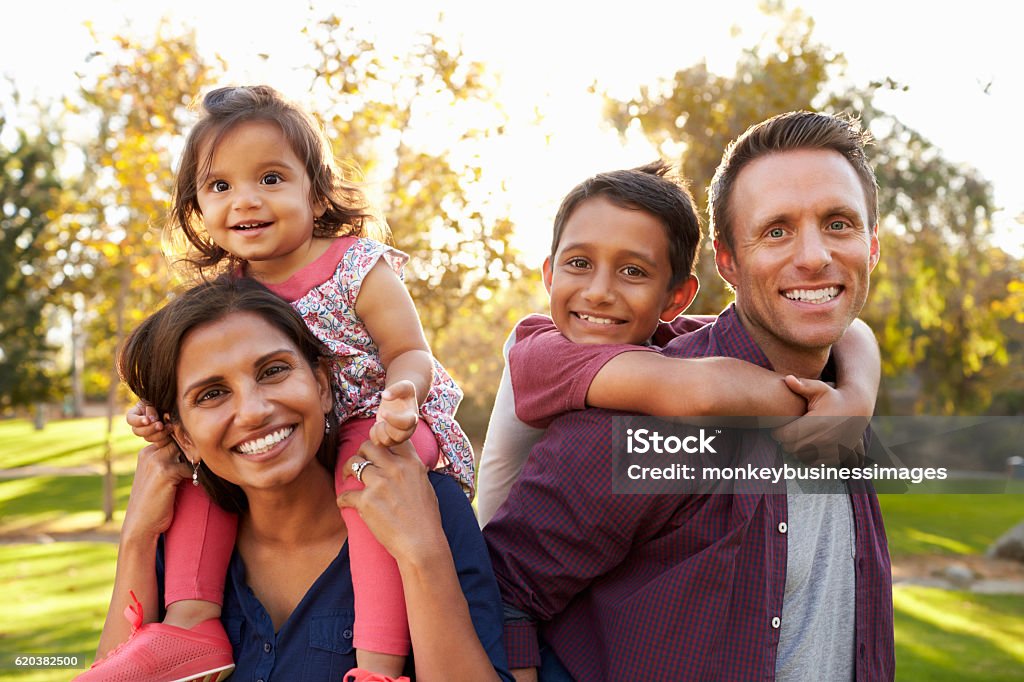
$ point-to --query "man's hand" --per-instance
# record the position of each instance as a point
(831, 433)
(397, 415)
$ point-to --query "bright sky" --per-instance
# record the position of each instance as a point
(965, 84)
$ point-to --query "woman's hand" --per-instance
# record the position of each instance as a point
(398, 503)
(158, 472)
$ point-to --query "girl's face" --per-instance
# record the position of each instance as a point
(250, 405)
(255, 201)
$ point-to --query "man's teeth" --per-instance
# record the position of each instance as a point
(260, 445)
(596, 320)
(813, 295)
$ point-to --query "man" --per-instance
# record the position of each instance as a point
(753, 586)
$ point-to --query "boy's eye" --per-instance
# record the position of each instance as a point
(580, 263)
(219, 186)
(633, 271)
(272, 179)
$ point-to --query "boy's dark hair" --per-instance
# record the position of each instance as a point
(148, 361)
(651, 188)
(788, 132)
(347, 211)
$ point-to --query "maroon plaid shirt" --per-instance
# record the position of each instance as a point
(664, 587)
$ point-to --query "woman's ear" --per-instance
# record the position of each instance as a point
(323, 382)
(181, 437)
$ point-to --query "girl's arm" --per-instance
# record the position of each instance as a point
(387, 310)
(149, 513)
(400, 507)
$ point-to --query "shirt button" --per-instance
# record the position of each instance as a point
(267, 647)
(347, 634)
(783, 527)
(776, 622)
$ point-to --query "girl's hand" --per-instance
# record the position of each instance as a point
(146, 424)
(151, 504)
(398, 503)
(397, 415)
(832, 431)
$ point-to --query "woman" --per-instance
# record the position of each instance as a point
(235, 369)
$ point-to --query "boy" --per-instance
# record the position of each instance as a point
(620, 270)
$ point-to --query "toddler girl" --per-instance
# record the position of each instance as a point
(258, 193)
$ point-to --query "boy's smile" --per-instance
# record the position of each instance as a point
(609, 278)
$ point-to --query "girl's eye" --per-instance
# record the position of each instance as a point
(776, 233)
(633, 271)
(219, 186)
(272, 179)
(837, 225)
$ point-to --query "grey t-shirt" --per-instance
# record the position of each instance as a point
(817, 636)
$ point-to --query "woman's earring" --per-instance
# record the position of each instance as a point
(327, 425)
(195, 473)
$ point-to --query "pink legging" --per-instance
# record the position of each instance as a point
(199, 542)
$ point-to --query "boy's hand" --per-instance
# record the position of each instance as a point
(146, 424)
(831, 432)
(397, 415)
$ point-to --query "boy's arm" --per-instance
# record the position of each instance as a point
(506, 447)
(651, 383)
(832, 431)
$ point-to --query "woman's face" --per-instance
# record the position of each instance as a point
(250, 405)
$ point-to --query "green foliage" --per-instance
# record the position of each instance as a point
(943, 304)
(416, 123)
(29, 199)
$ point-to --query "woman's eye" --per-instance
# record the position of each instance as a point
(219, 186)
(212, 394)
(272, 179)
(776, 233)
(274, 370)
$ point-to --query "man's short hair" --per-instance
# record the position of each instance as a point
(788, 132)
(653, 189)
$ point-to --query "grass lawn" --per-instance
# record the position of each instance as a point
(947, 524)
(65, 443)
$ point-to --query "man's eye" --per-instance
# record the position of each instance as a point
(776, 233)
(837, 225)
(219, 186)
(272, 179)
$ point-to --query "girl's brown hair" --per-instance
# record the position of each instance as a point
(347, 210)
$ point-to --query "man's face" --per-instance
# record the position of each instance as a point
(609, 278)
(803, 251)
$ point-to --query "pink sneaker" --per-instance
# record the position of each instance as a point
(163, 653)
(361, 675)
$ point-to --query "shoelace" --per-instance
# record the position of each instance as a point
(133, 613)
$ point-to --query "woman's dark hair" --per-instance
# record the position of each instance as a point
(148, 361)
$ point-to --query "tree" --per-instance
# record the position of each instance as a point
(138, 98)
(938, 306)
(29, 196)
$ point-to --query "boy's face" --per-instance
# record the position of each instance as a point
(609, 278)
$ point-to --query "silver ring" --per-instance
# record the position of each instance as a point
(357, 468)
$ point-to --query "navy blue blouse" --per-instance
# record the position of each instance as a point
(315, 643)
